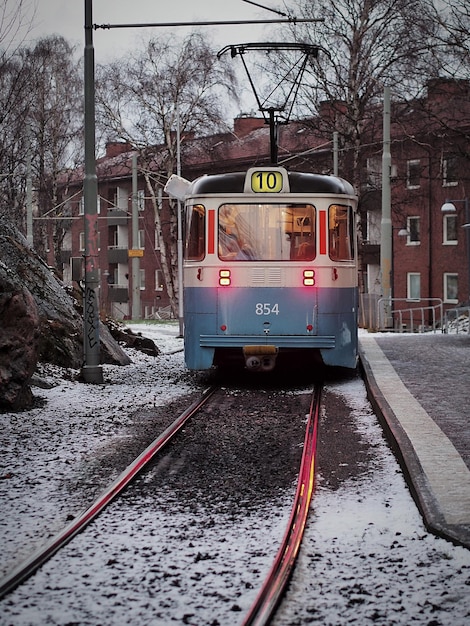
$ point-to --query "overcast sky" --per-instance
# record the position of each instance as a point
(66, 18)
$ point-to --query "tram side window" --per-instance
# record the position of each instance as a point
(341, 233)
(195, 233)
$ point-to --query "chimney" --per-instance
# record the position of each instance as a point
(440, 89)
(330, 110)
(244, 125)
(114, 148)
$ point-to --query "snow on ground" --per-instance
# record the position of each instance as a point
(41, 447)
(366, 558)
(366, 555)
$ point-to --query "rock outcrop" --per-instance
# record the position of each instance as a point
(19, 341)
(39, 320)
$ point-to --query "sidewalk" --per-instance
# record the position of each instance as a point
(419, 386)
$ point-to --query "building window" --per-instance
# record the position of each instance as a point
(67, 243)
(413, 286)
(142, 279)
(157, 239)
(81, 205)
(141, 239)
(158, 280)
(81, 244)
(451, 290)
(374, 172)
(120, 199)
(450, 230)
(449, 172)
(372, 227)
(413, 228)
(141, 199)
(413, 174)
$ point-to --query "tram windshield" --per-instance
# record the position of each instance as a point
(266, 232)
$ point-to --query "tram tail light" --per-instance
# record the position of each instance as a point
(224, 278)
(309, 278)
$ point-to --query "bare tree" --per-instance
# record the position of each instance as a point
(14, 27)
(144, 98)
(55, 124)
(41, 125)
(369, 43)
(451, 36)
(15, 100)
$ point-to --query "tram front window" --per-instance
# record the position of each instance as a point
(266, 232)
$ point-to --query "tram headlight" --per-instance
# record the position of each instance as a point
(309, 278)
(224, 278)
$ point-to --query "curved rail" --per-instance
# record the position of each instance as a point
(268, 598)
(30, 565)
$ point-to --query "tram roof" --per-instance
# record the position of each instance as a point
(299, 182)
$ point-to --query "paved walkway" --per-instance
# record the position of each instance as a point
(420, 386)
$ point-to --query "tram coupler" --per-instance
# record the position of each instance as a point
(260, 358)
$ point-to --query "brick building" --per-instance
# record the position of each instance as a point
(430, 155)
(430, 148)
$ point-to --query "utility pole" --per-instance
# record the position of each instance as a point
(180, 227)
(92, 371)
(335, 153)
(386, 223)
(135, 253)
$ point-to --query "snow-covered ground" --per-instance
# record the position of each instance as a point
(366, 557)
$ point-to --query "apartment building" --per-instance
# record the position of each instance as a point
(430, 147)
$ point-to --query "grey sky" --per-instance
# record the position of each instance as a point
(66, 18)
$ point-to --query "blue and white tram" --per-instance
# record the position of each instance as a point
(270, 270)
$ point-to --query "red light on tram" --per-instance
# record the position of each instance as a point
(223, 328)
(309, 278)
(224, 278)
(309, 327)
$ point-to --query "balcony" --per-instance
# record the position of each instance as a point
(117, 217)
(118, 293)
(117, 254)
(370, 253)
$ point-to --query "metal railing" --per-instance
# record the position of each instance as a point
(457, 320)
(416, 317)
(158, 313)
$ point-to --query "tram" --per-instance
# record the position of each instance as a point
(270, 269)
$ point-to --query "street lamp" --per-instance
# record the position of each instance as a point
(449, 207)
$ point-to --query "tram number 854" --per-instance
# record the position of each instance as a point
(266, 308)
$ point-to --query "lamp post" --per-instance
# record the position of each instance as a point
(449, 207)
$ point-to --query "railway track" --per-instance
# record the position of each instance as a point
(28, 567)
(278, 577)
(271, 591)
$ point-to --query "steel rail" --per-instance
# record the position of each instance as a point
(30, 565)
(270, 594)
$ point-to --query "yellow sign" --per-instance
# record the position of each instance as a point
(135, 253)
(266, 181)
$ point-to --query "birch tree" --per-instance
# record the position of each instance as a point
(143, 98)
(369, 44)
